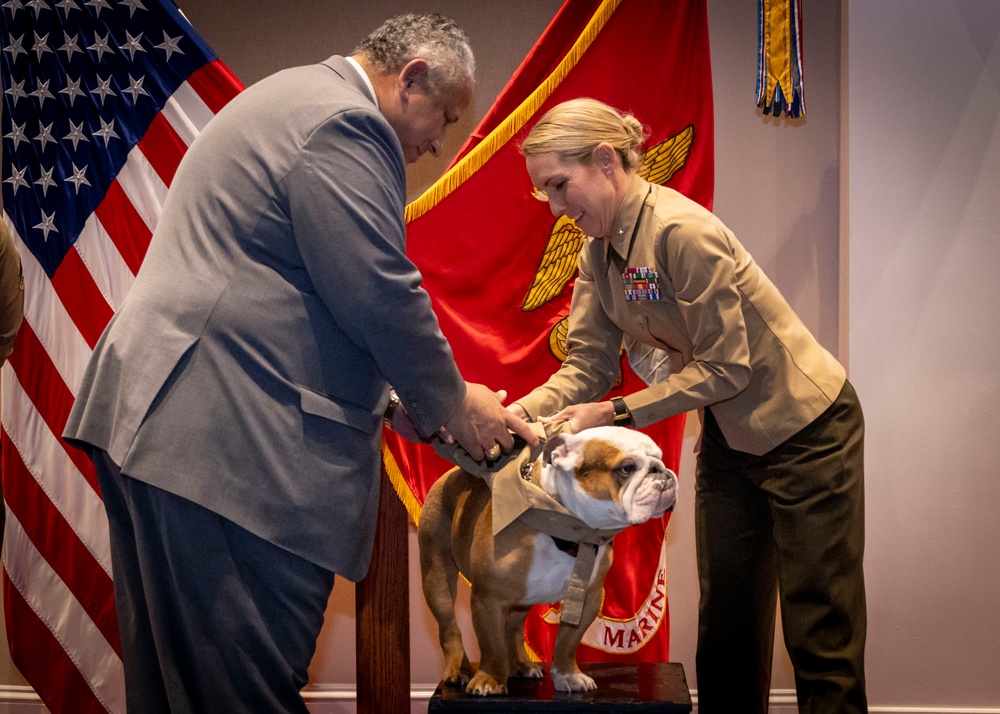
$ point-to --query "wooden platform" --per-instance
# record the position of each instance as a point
(651, 687)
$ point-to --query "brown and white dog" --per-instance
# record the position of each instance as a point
(607, 477)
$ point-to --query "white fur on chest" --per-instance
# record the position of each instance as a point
(551, 570)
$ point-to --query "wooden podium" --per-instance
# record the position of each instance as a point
(382, 613)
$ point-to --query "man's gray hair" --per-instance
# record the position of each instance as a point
(432, 37)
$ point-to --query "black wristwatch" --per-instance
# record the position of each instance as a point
(623, 417)
(390, 410)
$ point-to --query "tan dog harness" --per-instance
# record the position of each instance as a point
(516, 496)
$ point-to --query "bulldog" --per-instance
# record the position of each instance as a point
(536, 531)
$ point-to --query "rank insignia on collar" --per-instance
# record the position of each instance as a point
(641, 284)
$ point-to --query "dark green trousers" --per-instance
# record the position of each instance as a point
(790, 525)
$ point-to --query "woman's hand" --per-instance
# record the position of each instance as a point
(518, 411)
(584, 416)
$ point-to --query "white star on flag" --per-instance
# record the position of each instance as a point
(135, 88)
(41, 45)
(101, 45)
(76, 134)
(72, 90)
(14, 47)
(103, 89)
(42, 92)
(45, 135)
(78, 177)
(46, 181)
(37, 6)
(67, 5)
(132, 45)
(16, 91)
(47, 225)
(16, 135)
(132, 5)
(107, 131)
(169, 45)
(98, 5)
(70, 45)
(17, 179)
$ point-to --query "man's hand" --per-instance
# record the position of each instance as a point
(481, 423)
(583, 416)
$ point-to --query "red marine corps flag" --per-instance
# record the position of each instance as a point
(100, 101)
(500, 268)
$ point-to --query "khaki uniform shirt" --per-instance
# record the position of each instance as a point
(11, 293)
(735, 344)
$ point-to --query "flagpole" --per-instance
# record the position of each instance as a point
(382, 610)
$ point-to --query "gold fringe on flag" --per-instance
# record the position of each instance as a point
(399, 484)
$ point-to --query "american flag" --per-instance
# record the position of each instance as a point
(101, 98)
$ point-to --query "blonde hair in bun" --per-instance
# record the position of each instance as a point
(574, 129)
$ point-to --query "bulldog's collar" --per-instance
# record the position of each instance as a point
(516, 496)
(569, 547)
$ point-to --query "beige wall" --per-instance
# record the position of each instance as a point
(923, 211)
(897, 160)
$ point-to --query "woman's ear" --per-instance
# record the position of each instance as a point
(606, 156)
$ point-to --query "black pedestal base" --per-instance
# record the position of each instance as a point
(648, 687)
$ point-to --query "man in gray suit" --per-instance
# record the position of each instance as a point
(234, 405)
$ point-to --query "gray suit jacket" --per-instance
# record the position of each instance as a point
(248, 368)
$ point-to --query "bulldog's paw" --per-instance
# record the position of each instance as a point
(483, 685)
(531, 670)
(456, 676)
(572, 682)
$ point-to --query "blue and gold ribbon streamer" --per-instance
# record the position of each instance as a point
(779, 62)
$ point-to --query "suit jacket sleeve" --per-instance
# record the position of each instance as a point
(346, 199)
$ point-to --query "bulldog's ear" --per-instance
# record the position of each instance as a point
(560, 452)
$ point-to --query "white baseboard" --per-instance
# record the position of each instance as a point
(342, 699)
(20, 700)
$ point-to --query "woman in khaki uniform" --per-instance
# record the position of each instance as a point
(11, 293)
(780, 471)
(11, 304)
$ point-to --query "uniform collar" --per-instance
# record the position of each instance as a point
(623, 229)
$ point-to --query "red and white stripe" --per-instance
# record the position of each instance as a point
(57, 580)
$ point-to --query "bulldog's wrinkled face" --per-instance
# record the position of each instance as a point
(609, 477)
